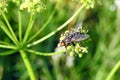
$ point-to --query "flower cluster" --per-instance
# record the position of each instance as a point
(76, 50)
(73, 48)
(3, 6)
(33, 6)
(89, 3)
(17, 2)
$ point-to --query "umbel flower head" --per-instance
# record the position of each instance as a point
(32, 6)
(72, 41)
(89, 3)
(3, 6)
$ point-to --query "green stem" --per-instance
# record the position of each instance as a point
(8, 52)
(30, 25)
(38, 32)
(44, 54)
(58, 29)
(8, 46)
(20, 27)
(28, 65)
(4, 28)
(5, 43)
(46, 23)
(10, 28)
(116, 67)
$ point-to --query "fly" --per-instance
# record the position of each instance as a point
(75, 35)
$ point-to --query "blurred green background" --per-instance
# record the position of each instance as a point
(103, 23)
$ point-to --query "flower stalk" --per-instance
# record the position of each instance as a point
(28, 65)
(58, 29)
(116, 67)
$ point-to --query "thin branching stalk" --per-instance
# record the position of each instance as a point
(28, 65)
(7, 32)
(44, 54)
(10, 28)
(20, 26)
(46, 23)
(8, 52)
(5, 43)
(29, 28)
(58, 29)
(8, 46)
(116, 67)
(39, 31)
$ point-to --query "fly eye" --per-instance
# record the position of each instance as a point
(62, 43)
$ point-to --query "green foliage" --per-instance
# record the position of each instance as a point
(34, 28)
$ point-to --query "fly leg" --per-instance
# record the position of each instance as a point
(73, 43)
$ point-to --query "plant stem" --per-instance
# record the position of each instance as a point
(28, 65)
(8, 52)
(4, 28)
(30, 25)
(5, 43)
(38, 32)
(116, 67)
(44, 54)
(8, 46)
(58, 29)
(10, 28)
(46, 23)
(20, 27)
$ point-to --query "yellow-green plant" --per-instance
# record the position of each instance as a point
(21, 43)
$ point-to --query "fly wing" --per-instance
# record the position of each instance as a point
(79, 37)
(78, 27)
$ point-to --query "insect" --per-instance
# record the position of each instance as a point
(75, 35)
